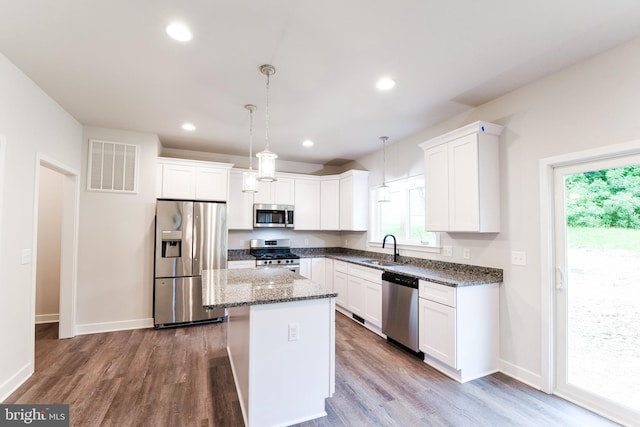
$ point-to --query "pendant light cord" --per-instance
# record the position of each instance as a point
(251, 139)
(268, 73)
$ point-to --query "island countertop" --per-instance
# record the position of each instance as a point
(247, 286)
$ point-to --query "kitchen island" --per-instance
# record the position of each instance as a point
(280, 342)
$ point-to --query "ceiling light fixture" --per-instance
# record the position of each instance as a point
(179, 32)
(267, 159)
(385, 83)
(383, 190)
(188, 127)
(307, 143)
(249, 177)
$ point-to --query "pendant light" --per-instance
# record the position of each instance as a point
(249, 177)
(267, 159)
(383, 190)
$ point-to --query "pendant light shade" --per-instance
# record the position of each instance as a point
(267, 159)
(249, 177)
(383, 190)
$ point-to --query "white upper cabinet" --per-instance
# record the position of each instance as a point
(280, 192)
(193, 180)
(329, 203)
(307, 204)
(462, 180)
(240, 204)
(354, 197)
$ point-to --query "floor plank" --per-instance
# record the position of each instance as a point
(182, 377)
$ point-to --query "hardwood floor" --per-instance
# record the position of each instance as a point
(182, 377)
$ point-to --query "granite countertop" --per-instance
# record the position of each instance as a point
(444, 273)
(248, 286)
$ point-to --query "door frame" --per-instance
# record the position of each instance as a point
(69, 244)
(547, 251)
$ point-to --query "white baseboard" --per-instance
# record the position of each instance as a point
(15, 381)
(523, 375)
(124, 325)
(47, 318)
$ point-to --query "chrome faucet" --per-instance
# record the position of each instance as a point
(395, 246)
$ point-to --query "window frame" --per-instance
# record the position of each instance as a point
(375, 237)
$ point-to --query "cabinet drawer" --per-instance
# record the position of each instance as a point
(438, 293)
(340, 266)
(366, 273)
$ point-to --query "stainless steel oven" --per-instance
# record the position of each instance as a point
(275, 253)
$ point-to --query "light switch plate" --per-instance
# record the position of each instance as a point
(518, 258)
(25, 257)
(447, 251)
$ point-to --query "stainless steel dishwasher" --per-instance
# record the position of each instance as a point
(400, 310)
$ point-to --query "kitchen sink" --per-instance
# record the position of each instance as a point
(380, 263)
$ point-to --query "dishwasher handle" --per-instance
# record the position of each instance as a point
(399, 279)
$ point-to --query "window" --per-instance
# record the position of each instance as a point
(403, 216)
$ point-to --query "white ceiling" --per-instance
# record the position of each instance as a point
(109, 63)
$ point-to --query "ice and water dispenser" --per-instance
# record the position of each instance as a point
(171, 243)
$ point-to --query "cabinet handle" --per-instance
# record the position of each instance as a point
(559, 278)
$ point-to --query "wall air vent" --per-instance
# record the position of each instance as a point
(113, 167)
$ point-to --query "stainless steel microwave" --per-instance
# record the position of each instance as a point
(266, 216)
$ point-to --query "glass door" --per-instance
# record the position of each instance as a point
(597, 261)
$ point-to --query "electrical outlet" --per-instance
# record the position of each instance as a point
(306, 242)
(466, 253)
(294, 331)
(447, 251)
(518, 258)
(346, 242)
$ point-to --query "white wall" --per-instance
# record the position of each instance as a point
(592, 104)
(50, 196)
(32, 123)
(115, 260)
(239, 239)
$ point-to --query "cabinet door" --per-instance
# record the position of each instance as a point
(346, 203)
(212, 184)
(280, 192)
(437, 331)
(328, 274)
(263, 194)
(356, 295)
(178, 182)
(307, 208)
(464, 196)
(341, 287)
(373, 303)
(241, 264)
(436, 178)
(305, 267)
(318, 271)
(329, 204)
(283, 191)
(240, 204)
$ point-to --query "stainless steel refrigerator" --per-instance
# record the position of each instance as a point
(191, 238)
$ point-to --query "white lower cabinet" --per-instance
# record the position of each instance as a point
(340, 284)
(458, 329)
(328, 273)
(373, 303)
(318, 271)
(305, 267)
(241, 264)
(356, 296)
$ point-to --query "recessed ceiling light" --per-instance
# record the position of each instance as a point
(188, 127)
(179, 31)
(307, 143)
(385, 83)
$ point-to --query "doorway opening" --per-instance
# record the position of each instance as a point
(67, 193)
